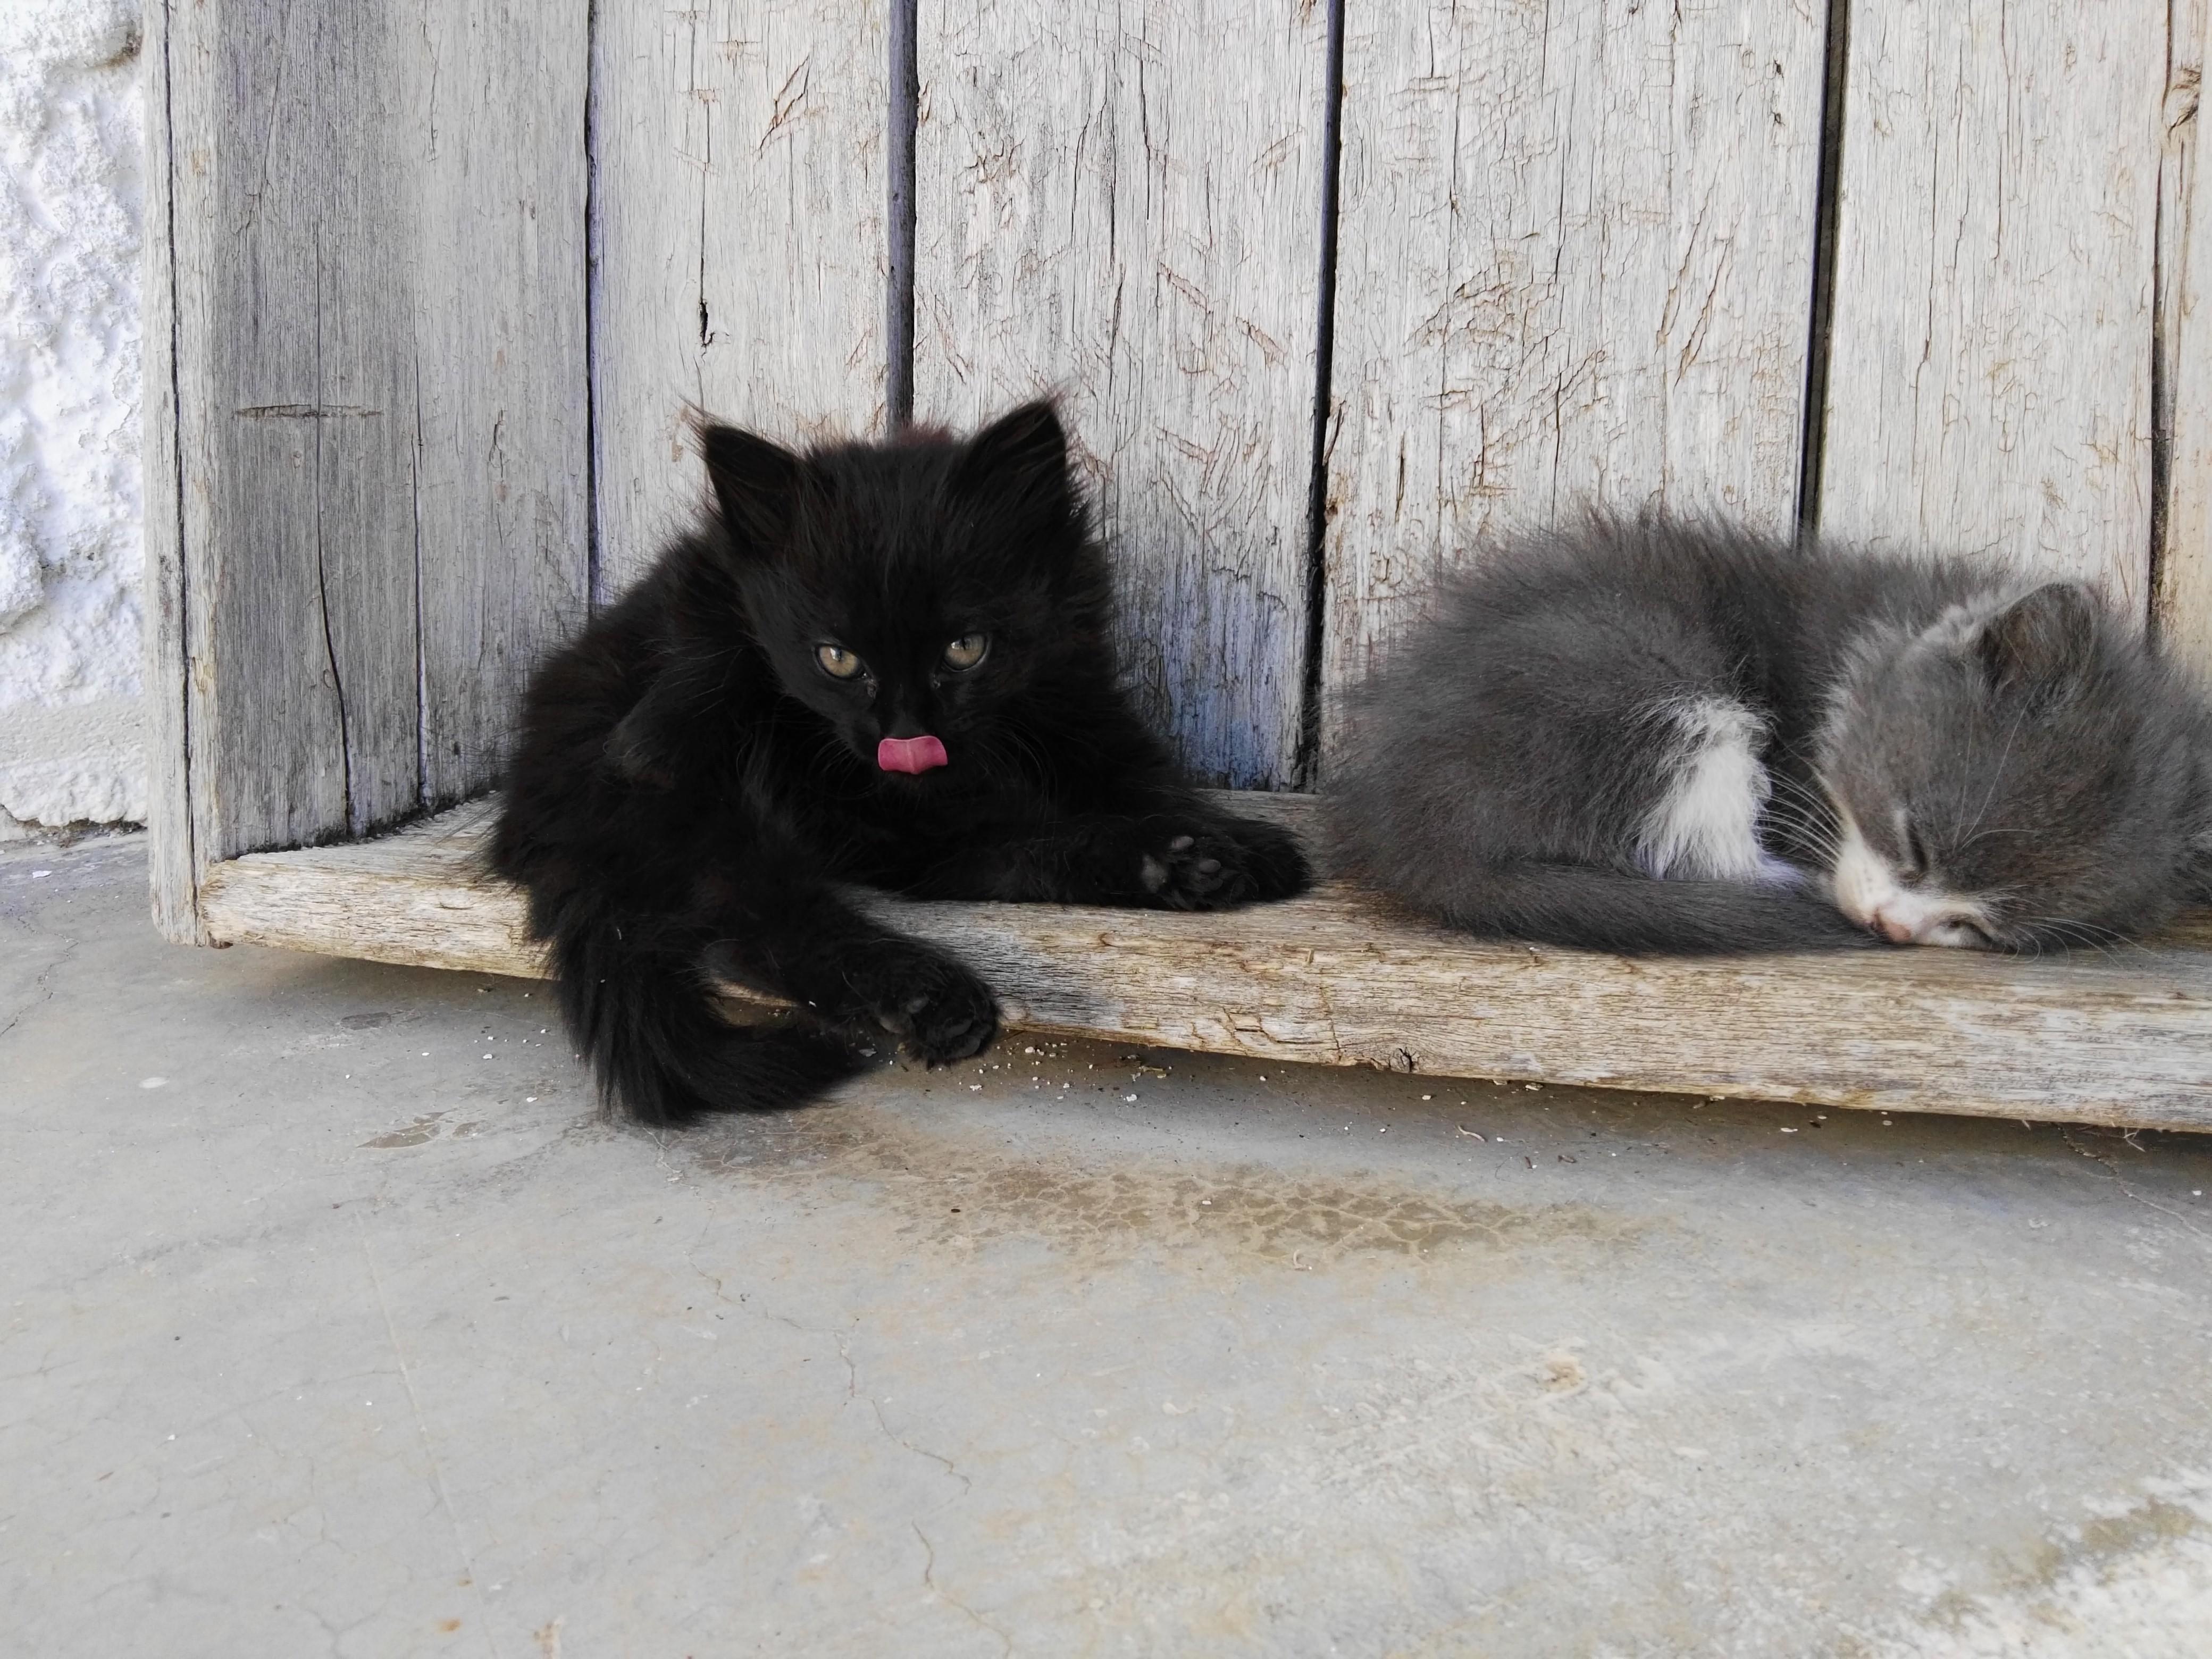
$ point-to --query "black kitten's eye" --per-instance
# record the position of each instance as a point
(967, 651)
(837, 662)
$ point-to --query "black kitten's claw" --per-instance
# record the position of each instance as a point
(939, 1011)
(1232, 862)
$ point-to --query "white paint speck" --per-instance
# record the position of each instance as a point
(153, 1083)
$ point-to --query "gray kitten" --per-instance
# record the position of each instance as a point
(1658, 736)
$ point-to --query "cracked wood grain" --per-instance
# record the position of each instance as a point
(268, 142)
(370, 293)
(173, 869)
(2122, 1037)
(1574, 266)
(1120, 202)
(500, 373)
(741, 241)
(1992, 342)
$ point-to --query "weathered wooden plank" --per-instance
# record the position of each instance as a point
(259, 146)
(173, 877)
(420, 898)
(1574, 266)
(1990, 370)
(372, 258)
(502, 491)
(2122, 1037)
(740, 240)
(2181, 605)
(1121, 201)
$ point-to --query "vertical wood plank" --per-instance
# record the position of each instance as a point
(1574, 268)
(252, 139)
(1121, 201)
(172, 875)
(1990, 379)
(346, 193)
(2182, 601)
(741, 251)
(380, 390)
(502, 482)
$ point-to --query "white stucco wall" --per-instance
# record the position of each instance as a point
(70, 545)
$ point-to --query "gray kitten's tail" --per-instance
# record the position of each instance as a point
(1601, 909)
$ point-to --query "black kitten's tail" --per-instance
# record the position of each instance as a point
(644, 1017)
(1607, 910)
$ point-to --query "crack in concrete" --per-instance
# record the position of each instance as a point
(967, 1484)
(929, 1582)
(42, 982)
(2112, 1171)
(423, 1429)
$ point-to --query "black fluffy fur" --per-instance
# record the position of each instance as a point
(693, 786)
(2010, 743)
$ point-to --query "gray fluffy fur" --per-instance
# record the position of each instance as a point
(1501, 767)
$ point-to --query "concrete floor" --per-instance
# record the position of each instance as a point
(336, 1321)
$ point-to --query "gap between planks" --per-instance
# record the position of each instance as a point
(2121, 1037)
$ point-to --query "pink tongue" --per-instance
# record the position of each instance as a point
(909, 754)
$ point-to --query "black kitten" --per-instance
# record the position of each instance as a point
(1655, 736)
(887, 664)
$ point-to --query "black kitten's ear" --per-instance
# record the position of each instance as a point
(634, 748)
(645, 746)
(755, 481)
(2042, 637)
(1021, 456)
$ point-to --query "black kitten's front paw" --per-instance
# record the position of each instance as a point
(1273, 857)
(1221, 866)
(939, 1011)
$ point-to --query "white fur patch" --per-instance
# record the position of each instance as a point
(1705, 827)
(1867, 890)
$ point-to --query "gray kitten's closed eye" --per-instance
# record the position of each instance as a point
(1660, 736)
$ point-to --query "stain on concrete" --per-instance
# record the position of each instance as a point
(422, 1131)
(2132, 1580)
(949, 1190)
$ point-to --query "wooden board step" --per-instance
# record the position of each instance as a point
(2121, 1036)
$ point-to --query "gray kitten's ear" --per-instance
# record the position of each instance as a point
(2043, 636)
(756, 484)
